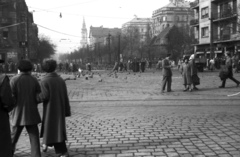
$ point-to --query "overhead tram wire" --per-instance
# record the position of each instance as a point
(16, 24)
(73, 14)
(58, 31)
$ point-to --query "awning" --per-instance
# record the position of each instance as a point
(217, 51)
(199, 53)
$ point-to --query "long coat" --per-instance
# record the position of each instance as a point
(25, 88)
(186, 73)
(194, 70)
(55, 107)
(166, 69)
(6, 105)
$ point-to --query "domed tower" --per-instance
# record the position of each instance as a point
(84, 37)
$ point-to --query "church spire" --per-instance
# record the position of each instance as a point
(84, 38)
(84, 24)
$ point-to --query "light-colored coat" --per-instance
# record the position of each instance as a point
(55, 101)
(25, 88)
(186, 73)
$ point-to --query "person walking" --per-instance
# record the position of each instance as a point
(167, 74)
(228, 65)
(56, 107)
(194, 72)
(25, 88)
(185, 70)
(6, 105)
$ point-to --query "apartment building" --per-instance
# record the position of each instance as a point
(143, 25)
(177, 12)
(18, 33)
(216, 26)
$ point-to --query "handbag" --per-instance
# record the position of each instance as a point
(195, 79)
(224, 72)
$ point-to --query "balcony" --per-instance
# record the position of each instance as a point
(219, 38)
(194, 22)
(217, 1)
(225, 15)
(195, 41)
(194, 4)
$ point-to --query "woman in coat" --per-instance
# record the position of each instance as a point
(6, 105)
(186, 73)
(55, 108)
(194, 72)
(25, 88)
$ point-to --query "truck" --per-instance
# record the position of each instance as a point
(200, 61)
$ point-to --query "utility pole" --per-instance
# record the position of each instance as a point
(109, 48)
(119, 47)
(26, 35)
(211, 35)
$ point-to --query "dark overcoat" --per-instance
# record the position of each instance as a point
(166, 69)
(55, 104)
(6, 105)
(25, 88)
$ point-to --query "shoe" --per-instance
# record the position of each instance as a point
(190, 90)
(221, 87)
(186, 89)
(195, 88)
(238, 84)
(64, 155)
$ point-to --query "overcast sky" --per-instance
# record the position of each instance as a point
(106, 13)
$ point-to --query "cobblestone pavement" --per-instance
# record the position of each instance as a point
(121, 116)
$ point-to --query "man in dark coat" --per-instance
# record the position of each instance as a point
(228, 64)
(56, 107)
(167, 74)
(6, 105)
(193, 71)
(25, 88)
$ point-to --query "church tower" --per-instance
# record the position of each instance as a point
(84, 38)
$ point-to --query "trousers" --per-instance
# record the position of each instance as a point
(231, 78)
(167, 80)
(33, 135)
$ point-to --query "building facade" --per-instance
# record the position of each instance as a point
(100, 35)
(84, 36)
(216, 26)
(143, 25)
(18, 34)
(177, 12)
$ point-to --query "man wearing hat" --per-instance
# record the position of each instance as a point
(167, 74)
(228, 64)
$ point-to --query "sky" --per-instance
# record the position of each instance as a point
(106, 13)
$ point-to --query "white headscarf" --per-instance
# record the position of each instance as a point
(192, 57)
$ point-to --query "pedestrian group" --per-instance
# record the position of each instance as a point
(20, 97)
(188, 70)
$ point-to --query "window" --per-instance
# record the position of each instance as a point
(234, 28)
(205, 32)
(205, 12)
(176, 18)
(5, 33)
(164, 18)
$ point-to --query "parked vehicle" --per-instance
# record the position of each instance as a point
(200, 61)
